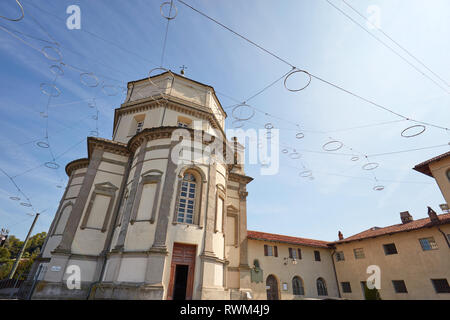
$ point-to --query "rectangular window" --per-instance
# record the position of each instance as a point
(316, 255)
(183, 125)
(346, 288)
(340, 256)
(399, 286)
(292, 253)
(270, 251)
(428, 244)
(359, 253)
(299, 253)
(441, 285)
(139, 126)
(389, 249)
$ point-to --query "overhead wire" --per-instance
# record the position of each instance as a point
(312, 75)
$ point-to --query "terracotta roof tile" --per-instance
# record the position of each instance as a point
(256, 235)
(413, 225)
(423, 166)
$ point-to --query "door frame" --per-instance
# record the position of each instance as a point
(191, 270)
(277, 286)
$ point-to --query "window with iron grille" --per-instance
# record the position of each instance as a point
(399, 286)
(321, 287)
(428, 244)
(359, 253)
(441, 285)
(297, 286)
(389, 248)
(316, 255)
(340, 256)
(346, 287)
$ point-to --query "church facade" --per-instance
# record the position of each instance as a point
(143, 218)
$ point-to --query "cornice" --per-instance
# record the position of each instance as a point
(76, 164)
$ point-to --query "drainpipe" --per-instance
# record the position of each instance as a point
(445, 236)
(335, 274)
(113, 226)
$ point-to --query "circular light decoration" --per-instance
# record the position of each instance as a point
(48, 89)
(293, 72)
(268, 126)
(238, 124)
(243, 107)
(354, 158)
(305, 174)
(299, 135)
(295, 155)
(158, 69)
(89, 79)
(56, 70)
(50, 57)
(171, 5)
(15, 198)
(94, 133)
(333, 145)
(285, 150)
(16, 19)
(25, 204)
(378, 188)
(52, 165)
(110, 90)
(42, 144)
(370, 166)
(405, 133)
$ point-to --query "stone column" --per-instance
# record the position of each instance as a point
(132, 201)
(78, 208)
(210, 212)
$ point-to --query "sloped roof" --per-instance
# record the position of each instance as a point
(256, 235)
(424, 166)
(396, 228)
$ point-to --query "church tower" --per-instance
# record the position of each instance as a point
(159, 211)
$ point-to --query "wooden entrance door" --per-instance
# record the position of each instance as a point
(182, 272)
(272, 288)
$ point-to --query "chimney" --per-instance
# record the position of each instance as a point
(406, 217)
(340, 235)
(433, 215)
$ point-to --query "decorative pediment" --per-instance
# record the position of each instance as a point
(232, 209)
(105, 187)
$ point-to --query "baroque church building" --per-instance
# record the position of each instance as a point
(133, 223)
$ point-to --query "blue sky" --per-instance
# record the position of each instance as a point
(121, 41)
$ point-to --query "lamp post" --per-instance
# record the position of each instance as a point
(19, 256)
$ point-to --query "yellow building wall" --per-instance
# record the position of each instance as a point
(306, 268)
(411, 264)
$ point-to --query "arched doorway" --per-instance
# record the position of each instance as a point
(272, 288)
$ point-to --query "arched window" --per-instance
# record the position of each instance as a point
(187, 198)
(321, 287)
(297, 286)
